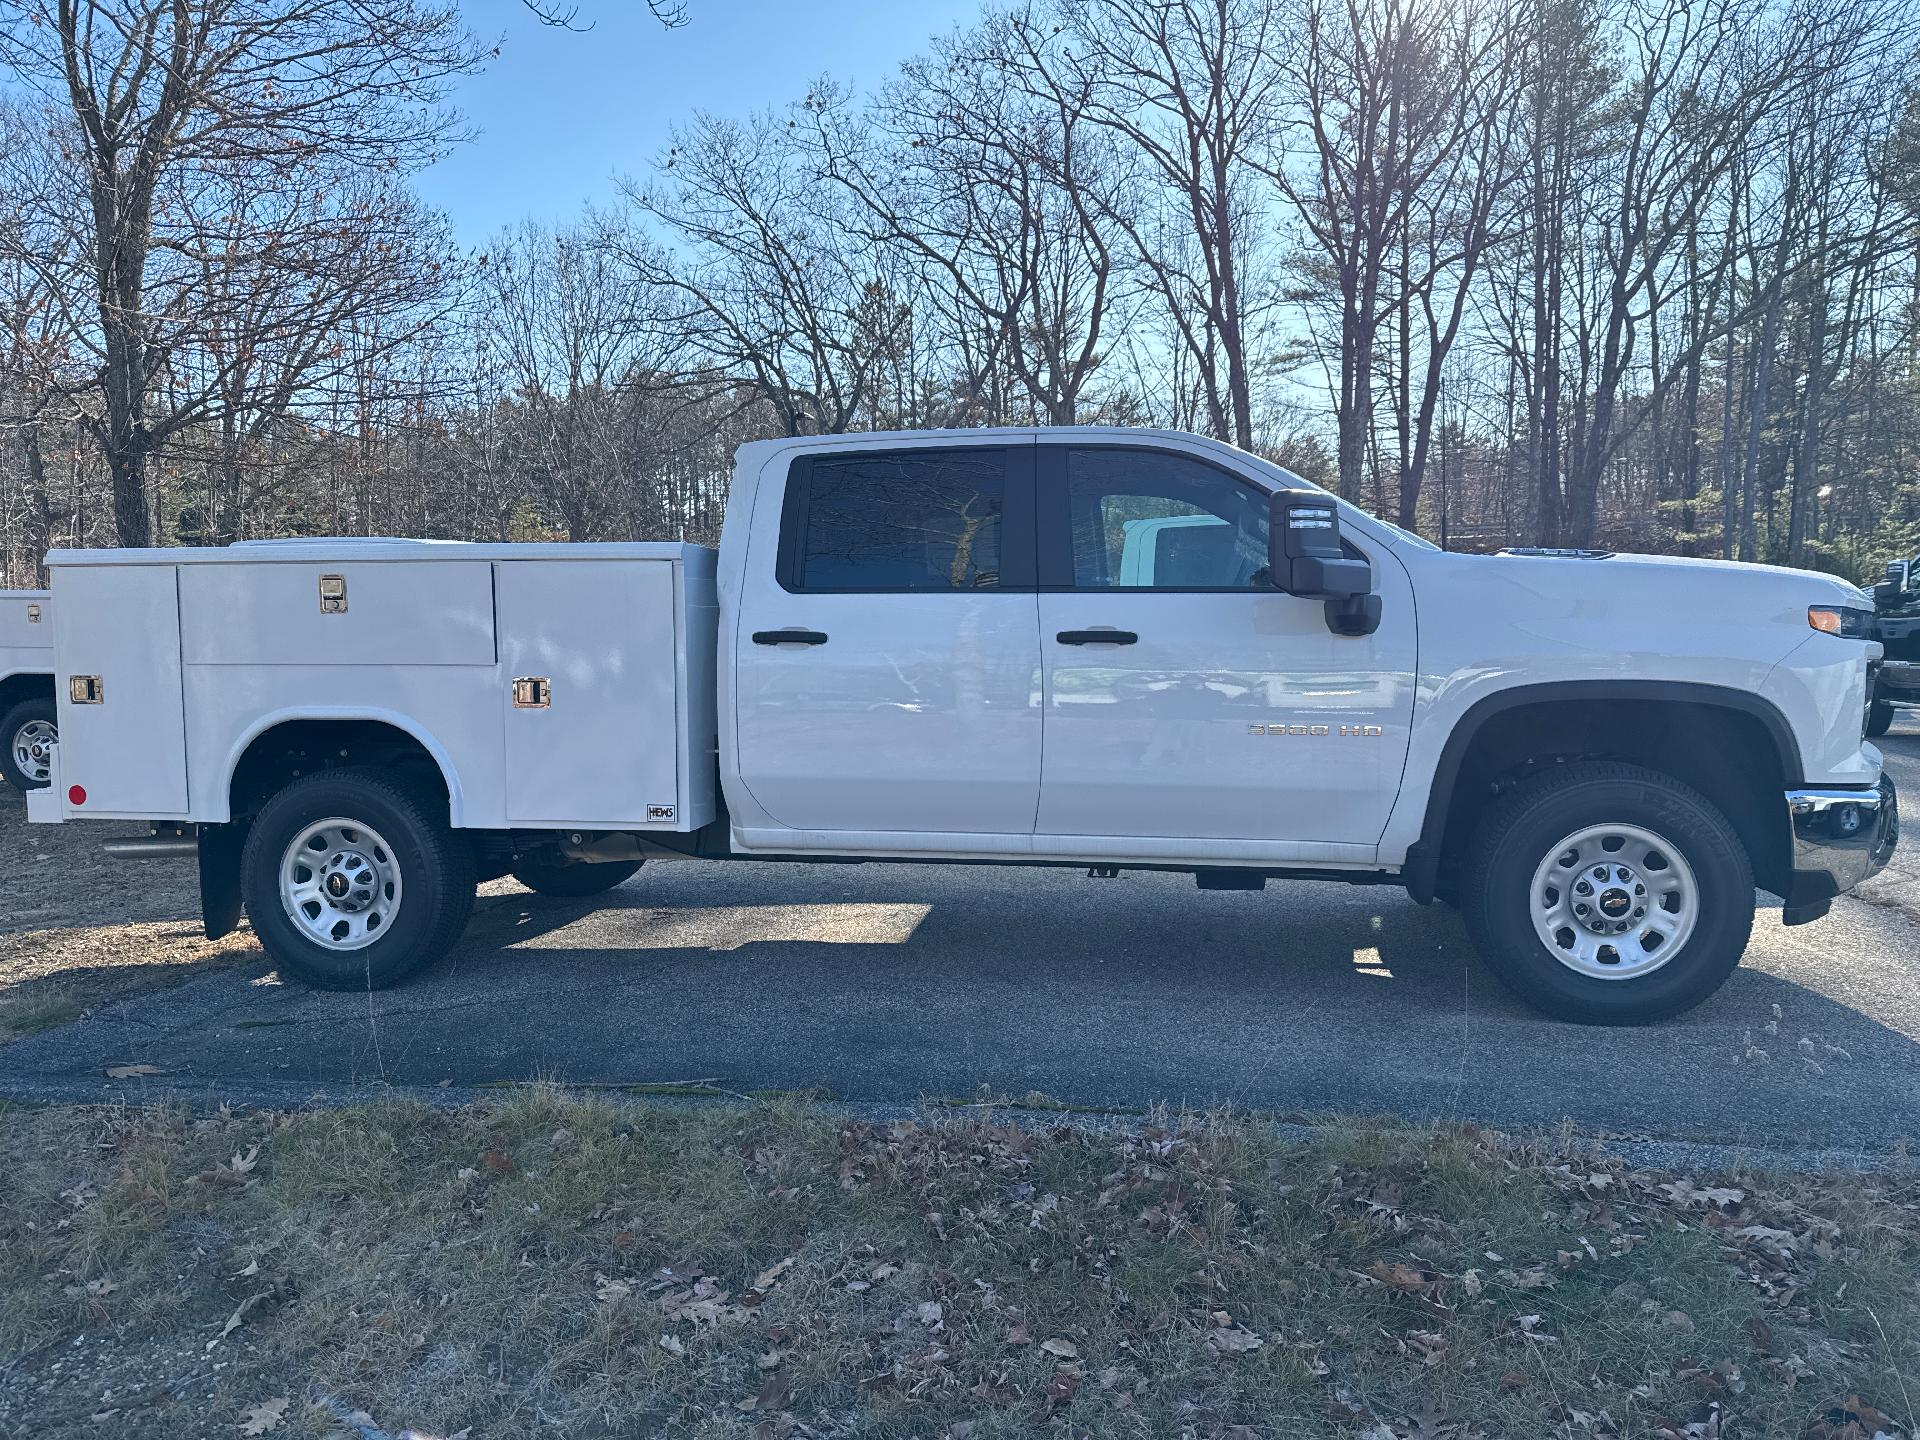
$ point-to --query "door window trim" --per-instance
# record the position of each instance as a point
(1054, 515)
(1018, 519)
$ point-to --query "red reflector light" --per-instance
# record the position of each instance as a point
(77, 794)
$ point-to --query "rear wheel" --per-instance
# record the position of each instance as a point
(1608, 894)
(576, 880)
(1879, 719)
(353, 881)
(27, 735)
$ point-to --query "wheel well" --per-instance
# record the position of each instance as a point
(1728, 754)
(301, 747)
(16, 688)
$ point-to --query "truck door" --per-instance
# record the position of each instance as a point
(887, 657)
(1220, 709)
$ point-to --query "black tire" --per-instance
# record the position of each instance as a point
(1514, 839)
(27, 712)
(577, 880)
(434, 866)
(1879, 719)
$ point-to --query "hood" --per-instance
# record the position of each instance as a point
(1580, 568)
(1628, 600)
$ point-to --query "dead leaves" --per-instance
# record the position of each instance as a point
(1852, 1419)
(1407, 1279)
(236, 1174)
(263, 1417)
(130, 1072)
(775, 1394)
(1684, 1193)
(239, 1315)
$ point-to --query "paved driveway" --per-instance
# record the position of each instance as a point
(902, 983)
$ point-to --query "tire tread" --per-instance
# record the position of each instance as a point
(1482, 890)
(441, 850)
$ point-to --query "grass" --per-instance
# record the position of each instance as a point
(28, 1014)
(593, 1265)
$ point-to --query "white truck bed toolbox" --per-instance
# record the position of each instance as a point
(508, 663)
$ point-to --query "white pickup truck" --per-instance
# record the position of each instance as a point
(1101, 648)
(27, 732)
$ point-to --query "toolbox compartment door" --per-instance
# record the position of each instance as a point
(433, 612)
(600, 637)
(120, 624)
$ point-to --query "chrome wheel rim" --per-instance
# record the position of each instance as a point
(1614, 902)
(340, 884)
(33, 750)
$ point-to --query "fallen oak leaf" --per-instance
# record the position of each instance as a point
(1061, 1347)
(129, 1072)
(1234, 1341)
(770, 1276)
(235, 1174)
(1401, 1277)
(263, 1417)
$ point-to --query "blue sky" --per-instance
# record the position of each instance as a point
(560, 114)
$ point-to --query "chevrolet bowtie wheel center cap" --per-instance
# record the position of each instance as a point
(1614, 901)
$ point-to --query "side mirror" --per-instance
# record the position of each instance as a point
(1306, 558)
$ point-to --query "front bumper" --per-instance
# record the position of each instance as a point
(1841, 836)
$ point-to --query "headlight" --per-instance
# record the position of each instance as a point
(1842, 620)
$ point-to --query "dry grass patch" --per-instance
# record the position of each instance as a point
(594, 1266)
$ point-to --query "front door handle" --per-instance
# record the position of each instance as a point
(1097, 637)
(789, 637)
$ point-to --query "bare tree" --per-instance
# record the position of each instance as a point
(1188, 87)
(565, 321)
(161, 95)
(1398, 159)
(766, 275)
(1009, 201)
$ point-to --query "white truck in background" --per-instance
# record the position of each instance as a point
(27, 718)
(1101, 648)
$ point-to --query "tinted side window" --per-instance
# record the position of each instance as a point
(903, 520)
(1143, 520)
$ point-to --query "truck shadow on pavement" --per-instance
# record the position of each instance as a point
(904, 983)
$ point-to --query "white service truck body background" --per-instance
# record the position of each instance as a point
(26, 633)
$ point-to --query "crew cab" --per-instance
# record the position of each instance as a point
(1102, 648)
(27, 721)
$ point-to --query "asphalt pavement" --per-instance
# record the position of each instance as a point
(896, 983)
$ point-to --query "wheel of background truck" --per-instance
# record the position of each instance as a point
(1608, 894)
(27, 735)
(574, 881)
(353, 882)
(1879, 719)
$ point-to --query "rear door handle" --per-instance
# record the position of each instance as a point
(1097, 637)
(789, 637)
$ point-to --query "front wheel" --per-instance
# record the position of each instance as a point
(1879, 719)
(1608, 894)
(27, 736)
(575, 880)
(353, 882)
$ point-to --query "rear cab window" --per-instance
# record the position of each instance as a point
(903, 521)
